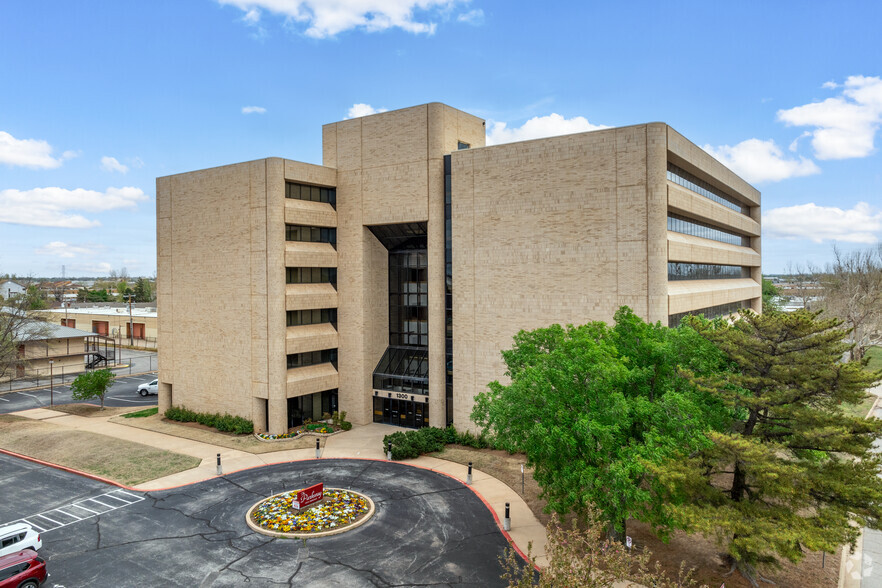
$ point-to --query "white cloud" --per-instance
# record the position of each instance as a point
(112, 165)
(62, 249)
(539, 127)
(91, 269)
(55, 207)
(831, 85)
(31, 153)
(253, 110)
(845, 126)
(326, 18)
(472, 17)
(358, 110)
(761, 161)
(861, 224)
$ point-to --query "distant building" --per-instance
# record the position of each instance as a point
(47, 349)
(8, 289)
(110, 321)
(386, 281)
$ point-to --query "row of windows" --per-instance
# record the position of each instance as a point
(315, 316)
(678, 224)
(311, 275)
(711, 312)
(705, 271)
(310, 234)
(699, 186)
(312, 193)
(296, 360)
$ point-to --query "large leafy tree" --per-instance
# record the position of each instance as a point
(94, 384)
(792, 471)
(592, 405)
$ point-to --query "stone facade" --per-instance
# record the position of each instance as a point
(559, 230)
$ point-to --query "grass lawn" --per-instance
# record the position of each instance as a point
(124, 461)
(696, 551)
(875, 363)
(141, 413)
(196, 432)
(875, 356)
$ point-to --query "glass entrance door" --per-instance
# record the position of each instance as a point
(401, 413)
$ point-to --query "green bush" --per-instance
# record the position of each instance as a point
(345, 425)
(225, 423)
(410, 444)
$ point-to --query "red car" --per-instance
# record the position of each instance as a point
(24, 569)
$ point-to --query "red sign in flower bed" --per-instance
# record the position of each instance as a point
(309, 496)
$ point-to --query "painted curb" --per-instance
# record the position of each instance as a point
(258, 529)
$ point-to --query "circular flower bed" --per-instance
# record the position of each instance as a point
(340, 510)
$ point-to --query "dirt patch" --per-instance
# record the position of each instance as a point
(698, 552)
(124, 461)
(197, 432)
(91, 410)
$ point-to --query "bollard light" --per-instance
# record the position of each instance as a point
(506, 522)
(318, 448)
(469, 476)
(220, 472)
(389, 450)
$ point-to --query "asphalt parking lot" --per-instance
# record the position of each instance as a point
(429, 530)
(123, 393)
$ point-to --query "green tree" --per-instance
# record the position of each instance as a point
(770, 291)
(590, 406)
(36, 298)
(92, 384)
(143, 290)
(791, 471)
(97, 296)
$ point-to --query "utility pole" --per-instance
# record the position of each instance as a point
(131, 324)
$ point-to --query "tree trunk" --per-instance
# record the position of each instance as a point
(615, 534)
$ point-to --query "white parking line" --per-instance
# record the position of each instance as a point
(113, 494)
(31, 395)
(4, 399)
(135, 401)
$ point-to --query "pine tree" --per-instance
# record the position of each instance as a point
(792, 471)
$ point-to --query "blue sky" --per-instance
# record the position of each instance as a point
(97, 99)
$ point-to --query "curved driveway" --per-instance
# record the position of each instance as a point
(429, 530)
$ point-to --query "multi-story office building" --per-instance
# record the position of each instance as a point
(386, 281)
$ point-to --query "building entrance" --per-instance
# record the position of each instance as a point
(401, 413)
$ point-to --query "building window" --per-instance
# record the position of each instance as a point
(316, 316)
(408, 298)
(297, 360)
(311, 193)
(460, 145)
(311, 234)
(705, 271)
(711, 312)
(403, 369)
(311, 275)
(679, 224)
(690, 182)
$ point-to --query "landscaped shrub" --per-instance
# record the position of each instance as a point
(226, 423)
(410, 444)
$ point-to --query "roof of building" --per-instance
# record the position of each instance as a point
(107, 310)
(42, 330)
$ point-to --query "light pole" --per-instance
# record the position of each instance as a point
(51, 385)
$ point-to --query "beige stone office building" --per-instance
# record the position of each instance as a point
(386, 281)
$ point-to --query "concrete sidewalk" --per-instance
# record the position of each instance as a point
(362, 442)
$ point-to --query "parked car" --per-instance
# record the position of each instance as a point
(151, 388)
(14, 538)
(23, 569)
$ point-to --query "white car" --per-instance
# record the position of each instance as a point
(14, 538)
(151, 388)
